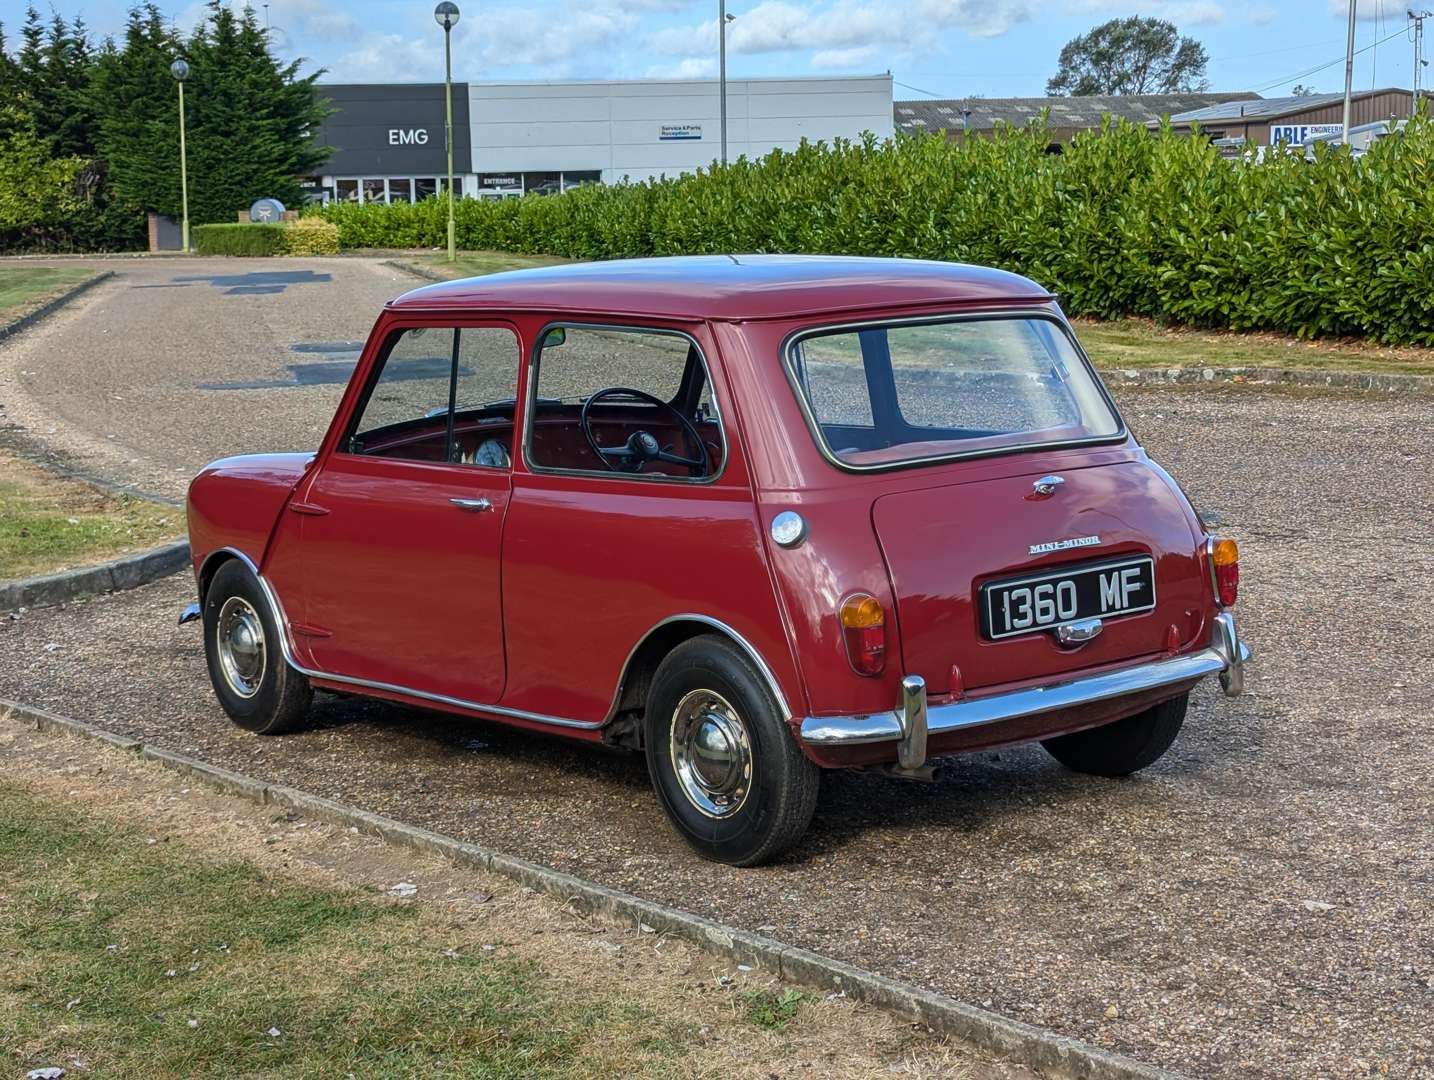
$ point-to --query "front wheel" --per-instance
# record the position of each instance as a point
(726, 768)
(254, 684)
(1125, 746)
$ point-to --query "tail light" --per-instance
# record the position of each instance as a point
(863, 625)
(1225, 565)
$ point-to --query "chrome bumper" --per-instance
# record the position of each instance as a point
(912, 721)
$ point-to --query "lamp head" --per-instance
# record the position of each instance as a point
(446, 15)
(180, 70)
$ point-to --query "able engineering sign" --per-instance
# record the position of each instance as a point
(1299, 134)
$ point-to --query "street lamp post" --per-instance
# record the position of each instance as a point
(722, 20)
(1348, 75)
(180, 70)
(446, 14)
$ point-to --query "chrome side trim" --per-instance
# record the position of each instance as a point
(746, 646)
(1226, 656)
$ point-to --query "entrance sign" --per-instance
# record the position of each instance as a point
(266, 211)
(677, 132)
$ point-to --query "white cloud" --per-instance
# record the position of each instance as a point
(388, 58)
(827, 59)
(1181, 12)
(691, 67)
(1261, 15)
(840, 30)
(1365, 12)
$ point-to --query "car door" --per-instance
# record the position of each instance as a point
(402, 526)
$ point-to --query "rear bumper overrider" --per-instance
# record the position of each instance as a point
(912, 721)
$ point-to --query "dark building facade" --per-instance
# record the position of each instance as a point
(1292, 120)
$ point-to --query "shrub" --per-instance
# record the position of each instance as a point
(1123, 223)
(239, 239)
(311, 236)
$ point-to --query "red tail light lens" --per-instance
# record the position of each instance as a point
(1225, 555)
(863, 624)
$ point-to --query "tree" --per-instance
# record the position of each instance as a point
(250, 119)
(1301, 90)
(247, 118)
(138, 113)
(1130, 56)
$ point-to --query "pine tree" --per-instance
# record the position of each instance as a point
(137, 106)
(249, 118)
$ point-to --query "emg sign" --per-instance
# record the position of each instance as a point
(1299, 134)
(407, 136)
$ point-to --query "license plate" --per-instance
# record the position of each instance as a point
(1037, 602)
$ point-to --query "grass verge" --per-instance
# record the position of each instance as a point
(49, 523)
(151, 927)
(24, 288)
(477, 263)
(1136, 343)
(142, 959)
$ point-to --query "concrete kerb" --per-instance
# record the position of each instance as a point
(1024, 1043)
(129, 572)
(1269, 376)
(413, 268)
(50, 306)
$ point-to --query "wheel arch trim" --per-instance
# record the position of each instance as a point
(726, 630)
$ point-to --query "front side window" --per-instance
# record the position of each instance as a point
(442, 394)
(888, 395)
(630, 401)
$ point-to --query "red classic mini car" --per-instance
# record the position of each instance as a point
(758, 516)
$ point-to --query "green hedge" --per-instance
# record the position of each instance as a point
(1122, 223)
(311, 236)
(239, 239)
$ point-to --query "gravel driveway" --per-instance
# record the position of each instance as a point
(1260, 903)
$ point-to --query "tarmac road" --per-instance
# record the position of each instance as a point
(1259, 903)
(175, 362)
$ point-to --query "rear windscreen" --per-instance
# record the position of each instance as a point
(888, 395)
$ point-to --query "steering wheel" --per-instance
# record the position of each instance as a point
(641, 446)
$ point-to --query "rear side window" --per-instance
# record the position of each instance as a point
(879, 396)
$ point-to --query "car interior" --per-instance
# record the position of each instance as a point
(621, 402)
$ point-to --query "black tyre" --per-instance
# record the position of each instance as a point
(726, 768)
(1125, 746)
(254, 684)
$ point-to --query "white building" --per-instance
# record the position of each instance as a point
(512, 138)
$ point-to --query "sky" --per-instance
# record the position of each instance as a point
(933, 48)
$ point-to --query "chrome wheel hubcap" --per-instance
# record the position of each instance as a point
(711, 753)
(239, 637)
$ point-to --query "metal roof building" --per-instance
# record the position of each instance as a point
(959, 116)
(1293, 120)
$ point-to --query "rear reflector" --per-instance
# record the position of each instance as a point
(863, 624)
(1226, 557)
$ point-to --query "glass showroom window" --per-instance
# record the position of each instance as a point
(347, 191)
(425, 187)
(581, 179)
(373, 191)
(400, 189)
(542, 183)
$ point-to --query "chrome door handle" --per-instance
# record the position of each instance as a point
(478, 505)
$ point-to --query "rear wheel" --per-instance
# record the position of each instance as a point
(1125, 746)
(724, 764)
(254, 684)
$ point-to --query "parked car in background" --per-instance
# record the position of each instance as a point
(756, 516)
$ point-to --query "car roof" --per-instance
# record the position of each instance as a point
(727, 287)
